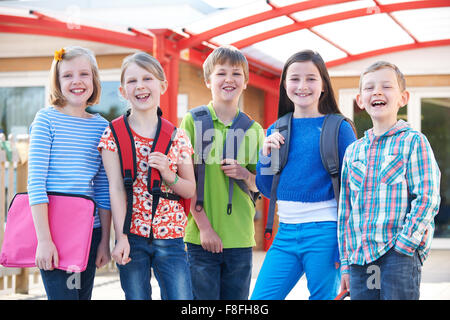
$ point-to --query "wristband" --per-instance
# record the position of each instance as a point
(174, 181)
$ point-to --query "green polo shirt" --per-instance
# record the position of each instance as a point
(236, 230)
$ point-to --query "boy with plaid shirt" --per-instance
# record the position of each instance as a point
(389, 195)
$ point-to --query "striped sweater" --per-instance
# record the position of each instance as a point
(63, 157)
(389, 196)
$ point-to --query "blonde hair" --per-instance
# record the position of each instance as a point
(145, 61)
(222, 55)
(56, 97)
(385, 65)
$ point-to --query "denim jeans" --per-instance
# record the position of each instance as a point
(394, 276)
(220, 276)
(304, 248)
(65, 285)
(168, 259)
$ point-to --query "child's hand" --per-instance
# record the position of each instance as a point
(275, 140)
(46, 255)
(345, 282)
(210, 240)
(160, 162)
(233, 169)
(121, 251)
(103, 253)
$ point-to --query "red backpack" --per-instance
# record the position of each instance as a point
(123, 136)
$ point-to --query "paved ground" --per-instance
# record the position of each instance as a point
(435, 282)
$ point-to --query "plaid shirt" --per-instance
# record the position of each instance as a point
(389, 196)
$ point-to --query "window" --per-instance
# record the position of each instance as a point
(435, 125)
(111, 103)
(18, 106)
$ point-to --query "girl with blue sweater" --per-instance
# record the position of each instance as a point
(306, 241)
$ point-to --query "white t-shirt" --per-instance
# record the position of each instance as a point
(293, 212)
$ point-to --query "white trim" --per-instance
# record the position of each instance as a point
(415, 102)
(41, 78)
(24, 79)
(110, 75)
(346, 97)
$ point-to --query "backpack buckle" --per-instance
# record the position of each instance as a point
(128, 182)
(198, 206)
(156, 191)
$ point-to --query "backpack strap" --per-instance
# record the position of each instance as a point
(233, 140)
(329, 153)
(125, 145)
(329, 148)
(278, 161)
(165, 133)
(203, 142)
(204, 135)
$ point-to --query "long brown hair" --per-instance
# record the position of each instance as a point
(327, 101)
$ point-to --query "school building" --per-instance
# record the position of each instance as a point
(350, 35)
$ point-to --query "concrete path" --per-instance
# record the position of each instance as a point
(435, 282)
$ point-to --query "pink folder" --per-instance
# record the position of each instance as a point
(71, 219)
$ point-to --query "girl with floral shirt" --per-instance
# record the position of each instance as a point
(155, 240)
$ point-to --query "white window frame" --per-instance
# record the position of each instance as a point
(25, 79)
(415, 102)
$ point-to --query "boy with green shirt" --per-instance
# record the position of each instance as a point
(220, 243)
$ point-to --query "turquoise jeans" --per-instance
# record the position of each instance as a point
(298, 249)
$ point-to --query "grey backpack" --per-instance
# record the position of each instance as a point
(203, 143)
(329, 153)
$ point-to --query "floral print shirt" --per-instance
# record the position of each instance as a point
(170, 219)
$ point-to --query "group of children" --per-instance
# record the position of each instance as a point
(383, 216)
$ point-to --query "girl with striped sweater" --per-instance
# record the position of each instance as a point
(64, 158)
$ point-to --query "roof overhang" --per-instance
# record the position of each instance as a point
(195, 47)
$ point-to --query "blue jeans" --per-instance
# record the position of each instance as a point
(65, 285)
(220, 276)
(304, 248)
(168, 259)
(394, 276)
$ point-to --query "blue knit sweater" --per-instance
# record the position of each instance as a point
(304, 178)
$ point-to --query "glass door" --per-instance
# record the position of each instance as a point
(435, 114)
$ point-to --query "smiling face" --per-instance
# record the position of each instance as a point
(226, 83)
(380, 95)
(76, 81)
(304, 86)
(141, 87)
